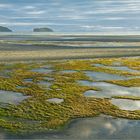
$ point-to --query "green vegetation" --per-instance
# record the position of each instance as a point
(88, 66)
(127, 97)
(37, 114)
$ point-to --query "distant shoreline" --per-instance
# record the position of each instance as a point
(32, 48)
(71, 33)
(64, 59)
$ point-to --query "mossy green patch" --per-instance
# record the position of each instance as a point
(48, 115)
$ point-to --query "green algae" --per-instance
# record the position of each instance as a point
(50, 115)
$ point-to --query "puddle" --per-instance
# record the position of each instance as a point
(10, 97)
(5, 73)
(48, 78)
(108, 90)
(45, 84)
(86, 83)
(98, 65)
(68, 71)
(92, 93)
(55, 100)
(116, 63)
(42, 70)
(97, 128)
(103, 76)
(28, 80)
(47, 67)
(126, 104)
(21, 87)
(122, 68)
(103, 127)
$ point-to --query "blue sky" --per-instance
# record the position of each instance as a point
(71, 15)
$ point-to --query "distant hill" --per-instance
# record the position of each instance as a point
(4, 29)
(42, 30)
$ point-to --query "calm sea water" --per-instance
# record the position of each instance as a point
(98, 128)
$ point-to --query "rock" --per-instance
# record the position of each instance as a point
(42, 30)
(4, 29)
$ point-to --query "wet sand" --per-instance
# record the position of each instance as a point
(16, 51)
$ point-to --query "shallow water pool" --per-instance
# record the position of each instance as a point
(107, 90)
(97, 128)
(42, 70)
(103, 76)
(55, 100)
(10, 97)
(122, 68)
(126, 104)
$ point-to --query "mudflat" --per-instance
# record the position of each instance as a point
(67, 47)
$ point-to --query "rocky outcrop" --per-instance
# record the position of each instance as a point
(42, 30)
(4, 29)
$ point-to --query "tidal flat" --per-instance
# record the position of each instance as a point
(47, 109)
(59, 47)
(52, 88)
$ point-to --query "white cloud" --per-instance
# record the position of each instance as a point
(29, 7)
(114, 18)
(99, 27)
(88, 26)
(33, 24)
(72, 16)
(5, 5)
(79, 15)
(35, 12)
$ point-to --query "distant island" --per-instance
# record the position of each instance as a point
(42, 30)
(4, 29)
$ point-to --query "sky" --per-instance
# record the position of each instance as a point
(71, 15)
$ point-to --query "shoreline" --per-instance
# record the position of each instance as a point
(5, 57)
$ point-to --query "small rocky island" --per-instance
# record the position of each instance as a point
(42, 30)
(4, 29)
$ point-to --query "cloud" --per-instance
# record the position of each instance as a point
(88, 27)
(79, 15)
(39, 12)
(29, 7)
(23, 23)
(114, 18)
(102, 27)
(117, 19)
(34, 24)
(5, 6)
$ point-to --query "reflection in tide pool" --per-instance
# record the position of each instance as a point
(10, 97)
(42, 70)
(28, 80)
(108, 90)
(126, 104)
(103, 76)
(103, 127)
(47, 67)
(48, 78)
(123, 68)
(55, 100)
(45, 84)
